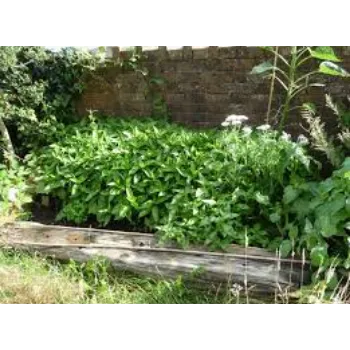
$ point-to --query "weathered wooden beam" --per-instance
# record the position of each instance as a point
(140, 253)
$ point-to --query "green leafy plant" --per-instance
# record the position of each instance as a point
(317, 218)
(37, 91)
(189, 186)
(15, 193)
(289, 71)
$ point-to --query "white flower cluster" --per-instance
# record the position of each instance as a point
(12, 194)
(235, 120)
(303, 140)
(285, 136)
(247, 130)
(265, 127)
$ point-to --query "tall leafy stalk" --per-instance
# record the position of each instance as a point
(287, 71)
(272, 88)
(290, 87)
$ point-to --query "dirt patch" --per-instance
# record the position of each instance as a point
(47, 215)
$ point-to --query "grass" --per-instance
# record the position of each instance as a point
(31, 279)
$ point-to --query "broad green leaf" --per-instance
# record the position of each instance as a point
(275, 218)
(330, 68)
(262, 199)
(274, 245)
(290, 194)
(326, 226)
(315, 202)
(293, 233)
(130, 196)
(210, 202)
(324, 53)
(263, 68)
(147, 205)
(312, 240)
(90, 196)
(332, 207)
(319, 256)
(309, 229)
(327, 186)
(74, 189)
(136, 179)
(106, 220)
(155, 214)
(333, 281)
(42, 188)
(345, 118)
(199, 193)
(124, 211)
(143, 213)
(286, 248)
(346, 164)
(301, 206)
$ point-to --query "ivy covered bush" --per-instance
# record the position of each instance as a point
(213, 187)
(37, 92)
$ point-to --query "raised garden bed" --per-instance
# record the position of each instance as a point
(140, 253)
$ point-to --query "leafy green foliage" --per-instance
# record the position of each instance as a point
(324, 53)
(263, 68)
(14, 191)
(320, 215)
(37, 90)
(189, 186)
(288, 71)
(330, 68)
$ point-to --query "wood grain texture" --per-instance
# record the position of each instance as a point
(139, 253)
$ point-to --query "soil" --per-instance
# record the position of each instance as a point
(47, 215)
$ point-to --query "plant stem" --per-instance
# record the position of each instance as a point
(9, 149)
(272, 88)
(291, 88)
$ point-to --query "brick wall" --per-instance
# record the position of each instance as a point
(204, 85)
